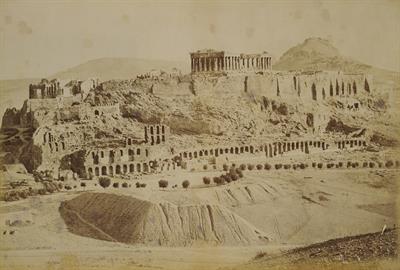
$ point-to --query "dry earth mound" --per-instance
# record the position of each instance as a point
(354, 252)
(130, 220)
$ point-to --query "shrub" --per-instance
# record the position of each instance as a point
(124, 185)
(185, 184)
(74, 187)
(42, 191)
(349, 164)
(278, 166)
(314, 164)
(143, 185)
(302, 166)
(242, 167)
(234, 177)
(267, 166)
(232, 171)
(354, 164)
(286, 166)
(163, 183)
(225, 167)
(240, 174)
(365, 164)
(371, 164)
(206, 180)
(259, 167)
(116, 185)
(23, 194)
(329, 165)
(205, 167)
(389, 164)
(228, 178)
(219, 180)
(104, 182)
(238, 170)
(83, 184)
(216, 179)
(250, 167)
(397, 163)
(11, 196)
(319, 165)
(60, 186)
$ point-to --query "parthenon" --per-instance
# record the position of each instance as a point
(222, 61)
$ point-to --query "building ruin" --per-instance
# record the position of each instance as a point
(212, 61)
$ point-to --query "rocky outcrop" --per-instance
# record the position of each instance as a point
(11, 118)
(129, 220)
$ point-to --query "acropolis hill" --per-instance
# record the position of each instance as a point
(228, 127)
(99, 118)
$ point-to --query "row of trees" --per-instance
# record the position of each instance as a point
(233, 174)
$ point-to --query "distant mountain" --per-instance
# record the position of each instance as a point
(118, 68)
(317, 54)
(14, 92)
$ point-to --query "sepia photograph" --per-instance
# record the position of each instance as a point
(199, 135)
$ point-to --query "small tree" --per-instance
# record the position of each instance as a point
(163, 183)
(278, 166)
(205, 167)
(116, 185)
(389, 164)
(225, 167)
(267, 166)
(243, 167)
(216, 180)
(137, 185)
(259, 167)
(104, 182)
(83, 184)
(143, 185)
(286, 166)
(234, 177)
(206, 180)
(228, 178)
(124, 185)
(371, 164)
(240, 174)
(185, 184)
(250, 167)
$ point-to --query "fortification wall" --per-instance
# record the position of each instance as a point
(291, 87)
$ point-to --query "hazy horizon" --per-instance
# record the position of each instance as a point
(42, 38)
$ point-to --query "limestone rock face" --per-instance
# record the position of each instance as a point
(11, 117)
(130, 220)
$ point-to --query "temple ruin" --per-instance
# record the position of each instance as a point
(212, 61)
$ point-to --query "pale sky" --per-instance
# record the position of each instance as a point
(39, 38)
